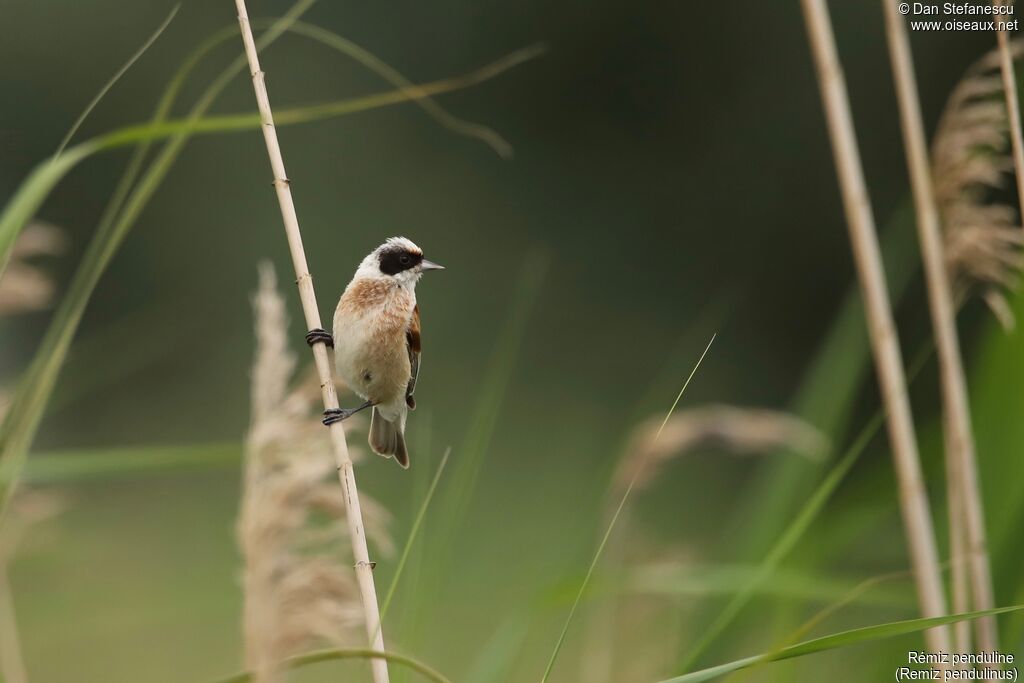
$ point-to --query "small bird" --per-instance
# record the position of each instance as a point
(377, 341)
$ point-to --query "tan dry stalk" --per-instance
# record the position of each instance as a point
(1012, 105)
(913, 496)
(346, 473)
(966, 514)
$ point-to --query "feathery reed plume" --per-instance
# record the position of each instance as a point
(298, 588)
(346, 473)
(913, 495)
(966, 514)
(970, 160)
(739, 431)
(1012, 102)
(23, 287)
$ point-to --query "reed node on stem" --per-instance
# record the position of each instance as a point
(913, 496)
(346, 473)
(966, 514)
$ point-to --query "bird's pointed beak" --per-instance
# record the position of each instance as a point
(430, 265)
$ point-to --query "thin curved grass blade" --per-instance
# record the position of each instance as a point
(611, 525)
(113, 80)
(798, 527)
(835, 641)
(307, 659)
(414, 533)
(22, 421)
(33, 191)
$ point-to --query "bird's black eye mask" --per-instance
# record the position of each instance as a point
(394, 261)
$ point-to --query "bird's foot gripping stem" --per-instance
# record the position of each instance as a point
(339, 414)
(318, 335)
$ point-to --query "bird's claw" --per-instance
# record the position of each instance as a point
(337, 415)
(332, 415)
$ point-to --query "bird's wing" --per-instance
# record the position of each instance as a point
(412, 342)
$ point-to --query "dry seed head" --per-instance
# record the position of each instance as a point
(299, 586)
(29, 507)
(970, 162)
(23, 286)
(737, 430)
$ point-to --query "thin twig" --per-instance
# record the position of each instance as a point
(913, 496)
(966, 516)
(1012, 106)
(346, 474)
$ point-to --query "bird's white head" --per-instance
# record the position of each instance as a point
(398, 259)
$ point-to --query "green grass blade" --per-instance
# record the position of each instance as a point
(826, 394)
(855, 636)
(420, 516)
(488, 406)
(497, 656)
(307, 659)
(21, 423)
(611, 526)
(60, 467)
(45, 177)
(487, 409)
(793, 533)
(798, 527)
(392, 76)
(33, 191)
(227, 123)
(22, 420)
(113, 80)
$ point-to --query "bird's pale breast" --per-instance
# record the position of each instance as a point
(370, 351)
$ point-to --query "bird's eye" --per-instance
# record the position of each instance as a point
(404, 259)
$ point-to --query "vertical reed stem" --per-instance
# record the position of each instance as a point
(966, 514)
(913, 496)
(363, 566)
(1012, 105)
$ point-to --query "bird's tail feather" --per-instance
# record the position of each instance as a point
(387, 439)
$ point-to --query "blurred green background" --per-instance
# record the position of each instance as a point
(672, 178)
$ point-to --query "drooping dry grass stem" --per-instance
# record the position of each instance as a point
(966, 515)
(913, 496)
(1012, 105)
(346, 473)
